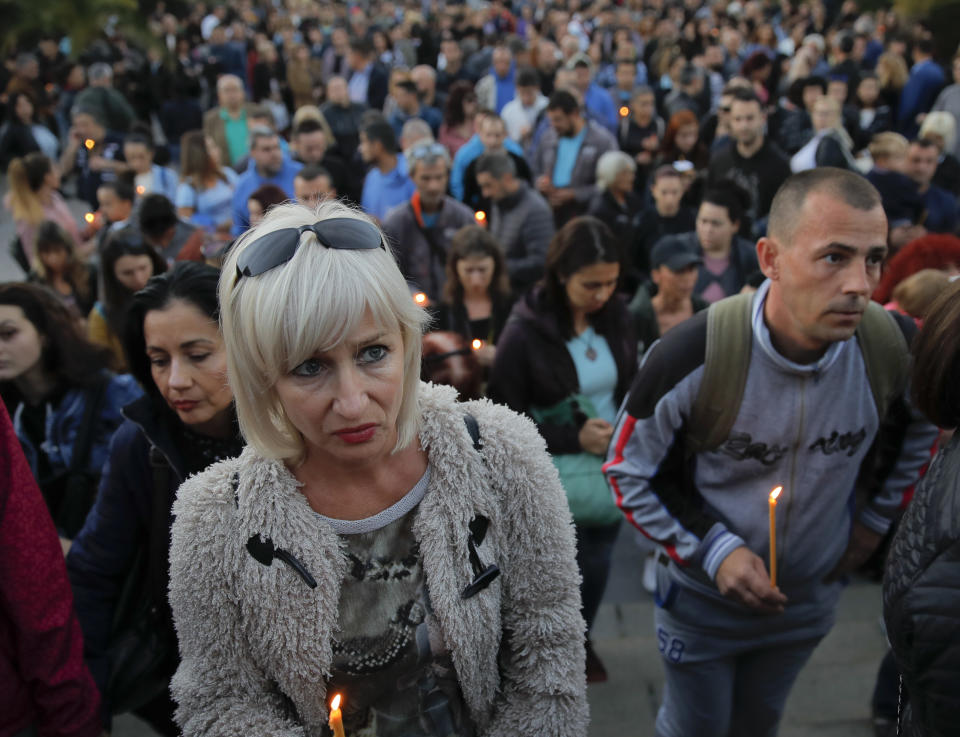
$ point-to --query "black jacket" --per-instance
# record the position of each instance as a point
(921, 600)
(534, 369)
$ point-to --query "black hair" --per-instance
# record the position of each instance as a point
(116, 297)
(380, 130)
(188, 281)
(142, 138)
(582, 242)
(745, 94)
(67, 354)
(407, 86)
(308, 125)
(313, 171)
(362, 45)
(728, 199)
(528, 77)
(121, 187)
(563, 101)
(157, 214)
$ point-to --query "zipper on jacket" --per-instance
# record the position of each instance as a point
(781, 553)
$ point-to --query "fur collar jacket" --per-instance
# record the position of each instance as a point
(255, 640)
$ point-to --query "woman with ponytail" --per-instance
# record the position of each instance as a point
(33, 198)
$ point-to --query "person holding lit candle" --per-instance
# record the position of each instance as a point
(92, 151)
(750, 584)
(476, 298)
(420, 228)
(376, 539)
(148, 177)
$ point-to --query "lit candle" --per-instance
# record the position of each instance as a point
(420, 298)
(624, 111)
(480, 216)
(90, 217)
(773, 534)
(336, 717)
(477, 344)
(89, 143)
(141, 189)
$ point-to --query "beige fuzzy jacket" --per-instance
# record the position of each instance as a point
(255, 641)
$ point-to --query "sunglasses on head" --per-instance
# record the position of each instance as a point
(274, 249)
(424, 150)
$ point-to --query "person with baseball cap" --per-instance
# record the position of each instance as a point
(667, 299)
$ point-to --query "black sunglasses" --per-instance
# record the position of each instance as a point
(274, 249)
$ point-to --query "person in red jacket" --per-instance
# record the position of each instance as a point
(45, 688)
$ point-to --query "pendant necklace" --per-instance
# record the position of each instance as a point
(590, 353)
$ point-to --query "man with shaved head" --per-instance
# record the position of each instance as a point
(227, 123)
(802, 385)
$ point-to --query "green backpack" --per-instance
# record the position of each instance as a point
(729, 339)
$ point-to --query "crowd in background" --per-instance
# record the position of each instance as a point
(532, 164)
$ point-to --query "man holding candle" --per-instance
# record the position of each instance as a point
(806, 419)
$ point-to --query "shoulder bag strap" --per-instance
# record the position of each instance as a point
(729, 339)
(885, 354)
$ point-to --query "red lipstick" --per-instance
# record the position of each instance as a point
(358, 434)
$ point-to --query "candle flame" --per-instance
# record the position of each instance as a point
(477, 344)
(480, 216)
(624, 111)
(775, 493)
(89, 217)
(141, 189)
(89, 143)
(420, 298)
(335, 704)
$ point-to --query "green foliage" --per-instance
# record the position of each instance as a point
(82, 20)
(921, 8)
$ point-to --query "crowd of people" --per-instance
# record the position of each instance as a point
(705, 250)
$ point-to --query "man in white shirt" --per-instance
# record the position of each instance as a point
(520, 114)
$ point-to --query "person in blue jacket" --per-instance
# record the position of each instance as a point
(65, 403)
(184, 422)
(268, 165)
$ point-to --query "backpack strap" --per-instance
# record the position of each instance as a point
(886, 355)
(729, 338)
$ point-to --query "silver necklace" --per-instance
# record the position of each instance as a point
(591, 352)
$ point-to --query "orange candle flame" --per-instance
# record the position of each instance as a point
(774, 494)
(141, 189)
(480, 216)
(89, 143)
(335, 704)
(624, 111)
(420, 298)
(477, 344)
(89, 217)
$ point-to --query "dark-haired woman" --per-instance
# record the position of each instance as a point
(126, 264)
(23, 134)
(62, 398)
(183, 424)
(59, 267)
(458, 116)
(206, 191)
(476, 297)
(566, 358)
(921, 587)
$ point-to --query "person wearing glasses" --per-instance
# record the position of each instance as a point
(376, 539)
(420, 229)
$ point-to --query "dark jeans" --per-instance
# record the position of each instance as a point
(594, 550)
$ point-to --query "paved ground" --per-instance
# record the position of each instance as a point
(832, 694)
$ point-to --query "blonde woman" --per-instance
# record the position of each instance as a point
(376, 538)
(33, 198)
